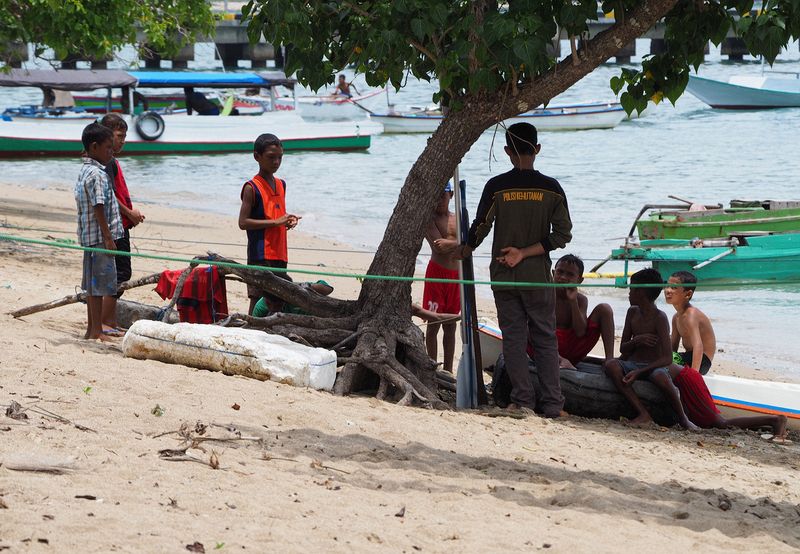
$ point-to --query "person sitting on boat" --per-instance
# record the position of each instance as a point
(701, 410)
(645, 349)
(343, 87)
(197, 101)
(578, 333)
(689, 324)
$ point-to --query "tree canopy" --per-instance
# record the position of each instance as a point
(92, 29)
(480, 47)
(491, 62)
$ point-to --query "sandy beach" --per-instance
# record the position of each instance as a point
(300, 470)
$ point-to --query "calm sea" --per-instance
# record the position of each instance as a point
(688, 150)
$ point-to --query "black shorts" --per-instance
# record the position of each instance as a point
(705, 365)
(124, 270)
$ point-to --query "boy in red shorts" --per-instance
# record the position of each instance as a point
(701, 410)
(442, 298)
(578, 333)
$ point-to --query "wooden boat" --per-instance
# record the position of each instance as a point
(553, 118)
(590, 393)
(740, 257)
(748, 92)
(169, 133)
(330, 106)
(680, 222)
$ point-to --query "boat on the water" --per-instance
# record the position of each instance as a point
(772, 257)
(168, 133)
(748, 92)
(606, 115)
(687, 222)
(329, 106)
(590, 393)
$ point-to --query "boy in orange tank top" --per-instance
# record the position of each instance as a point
(263, 213)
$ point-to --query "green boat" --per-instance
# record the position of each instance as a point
(739, 257)
(681, 222)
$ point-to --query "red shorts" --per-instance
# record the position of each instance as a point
(575, 348)
(697, 401)
(442, 298)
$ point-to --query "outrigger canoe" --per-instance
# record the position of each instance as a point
(590, 393)
(168, 133)
(680, 222)
(739, 257)
(553, 118)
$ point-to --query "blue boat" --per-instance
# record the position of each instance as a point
(748, 92)
(741, 257)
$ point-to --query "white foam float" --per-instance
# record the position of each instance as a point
(246, 352)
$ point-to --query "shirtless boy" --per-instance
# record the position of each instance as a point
(689, 324)
(693, 327)
(645, 349)
(578, 333)
(442, 298)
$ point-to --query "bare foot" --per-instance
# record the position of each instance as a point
(105, 338)
(689, 426)
(642, 420)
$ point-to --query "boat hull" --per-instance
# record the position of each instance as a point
(763, 258)
(592, 394)
(717, 223)
(187, 135)
(731, 96)
(564, 118)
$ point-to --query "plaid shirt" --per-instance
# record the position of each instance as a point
(92, 189)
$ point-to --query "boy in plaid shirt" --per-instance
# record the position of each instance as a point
(99, 224)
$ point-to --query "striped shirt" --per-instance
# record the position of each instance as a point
(93, 189)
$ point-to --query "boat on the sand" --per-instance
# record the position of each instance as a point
(589, 393)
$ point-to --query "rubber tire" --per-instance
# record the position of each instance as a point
(150, 125)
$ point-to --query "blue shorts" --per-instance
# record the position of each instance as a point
(99, 273)
(628, 366)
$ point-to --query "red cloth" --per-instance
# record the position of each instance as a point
(442, 298)
(697, 401)
(575, 348)
(122, 194)
(203, 298)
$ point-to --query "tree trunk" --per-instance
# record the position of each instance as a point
(387, 344)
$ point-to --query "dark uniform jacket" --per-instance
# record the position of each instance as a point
(526, 207)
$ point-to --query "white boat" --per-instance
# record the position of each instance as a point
(748, 92)
(169, 133)
(331, 106)
(606, 115)
(734, 396)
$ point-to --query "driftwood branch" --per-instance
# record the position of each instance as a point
(81, 297)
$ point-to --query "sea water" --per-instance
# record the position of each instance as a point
(688, 150)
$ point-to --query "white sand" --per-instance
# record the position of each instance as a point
(329, 473)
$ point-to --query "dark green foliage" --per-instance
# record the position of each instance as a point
(480, 47)
(94, 28)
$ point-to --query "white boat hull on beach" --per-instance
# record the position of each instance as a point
(734, 396)
(557, 118)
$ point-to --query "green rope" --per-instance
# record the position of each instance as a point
(370, 277)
